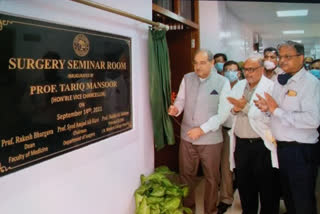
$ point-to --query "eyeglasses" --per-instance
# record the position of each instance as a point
(270, 57)
(286, 57)
(201, 63)
(250, 70)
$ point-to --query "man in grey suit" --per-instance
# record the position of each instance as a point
(202, 97)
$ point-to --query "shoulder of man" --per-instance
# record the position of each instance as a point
(238, 88)
(266, 81)
(310, 78)
(239, 84)
(220, 77)
(308, 81)
(190, 74)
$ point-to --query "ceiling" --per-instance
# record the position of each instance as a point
(262, 18)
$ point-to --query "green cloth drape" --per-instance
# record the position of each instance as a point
(160, 90)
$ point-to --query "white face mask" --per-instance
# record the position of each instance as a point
(269, 65)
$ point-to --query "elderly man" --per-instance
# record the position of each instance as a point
(271, 63)
(294, 106)
(202, 96)
(252, 152)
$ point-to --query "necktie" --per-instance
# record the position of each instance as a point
(283, 78)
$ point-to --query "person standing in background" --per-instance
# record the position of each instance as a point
(201, 96)
(307, 62)
(315, 68)
(271, 63)
(231, 71)
(315, 71)
(219, 60)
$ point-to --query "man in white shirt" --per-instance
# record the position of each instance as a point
(232, 72)
(252, 152)
(295, 117)
(201, 96)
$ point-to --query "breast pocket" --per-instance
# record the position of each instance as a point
(291, 103)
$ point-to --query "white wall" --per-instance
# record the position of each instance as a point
(315, 51)
(221, 31)
(102, 177)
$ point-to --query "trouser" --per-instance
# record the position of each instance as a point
(189, 158)
(298, 173)
(226, 184)
(256, 178)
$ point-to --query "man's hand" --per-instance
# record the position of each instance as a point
(195, 133)
(272, 104)
(173, 111)
(238, 104)
(267, 104)
(261, 104)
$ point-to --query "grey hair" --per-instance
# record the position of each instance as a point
(299, 47)
(258, 58)
(209, 53)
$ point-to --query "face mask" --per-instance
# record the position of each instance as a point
(219, 66)
(283, 78)
(231, 75)
(307, 66)
(269, 65)
(315, 72)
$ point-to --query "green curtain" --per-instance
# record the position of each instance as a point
(160, 90)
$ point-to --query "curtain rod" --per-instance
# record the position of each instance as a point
(122, 13)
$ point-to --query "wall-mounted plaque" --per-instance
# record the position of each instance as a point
(61, 88)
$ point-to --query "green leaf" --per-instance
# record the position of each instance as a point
(154, 200)
(179, 211)
(138, 199)
(185, 191)
(143, 179)
(187, 210)
(166, 182)
(172, 203)
(157, 191)
(143, 208)
(173, 191)
(163, 170)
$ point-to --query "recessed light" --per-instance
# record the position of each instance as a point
(289, 13)
(293, 32)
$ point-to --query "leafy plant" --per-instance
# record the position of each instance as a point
(158, 195)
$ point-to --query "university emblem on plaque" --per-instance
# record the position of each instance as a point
(81, 45)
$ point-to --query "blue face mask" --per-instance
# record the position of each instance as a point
(315, 72)
(219, 66)
(307, 66)
(231, 75)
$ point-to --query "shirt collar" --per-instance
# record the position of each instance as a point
(250, 89)
(208, 77)
(298, 75)
(278, 70)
